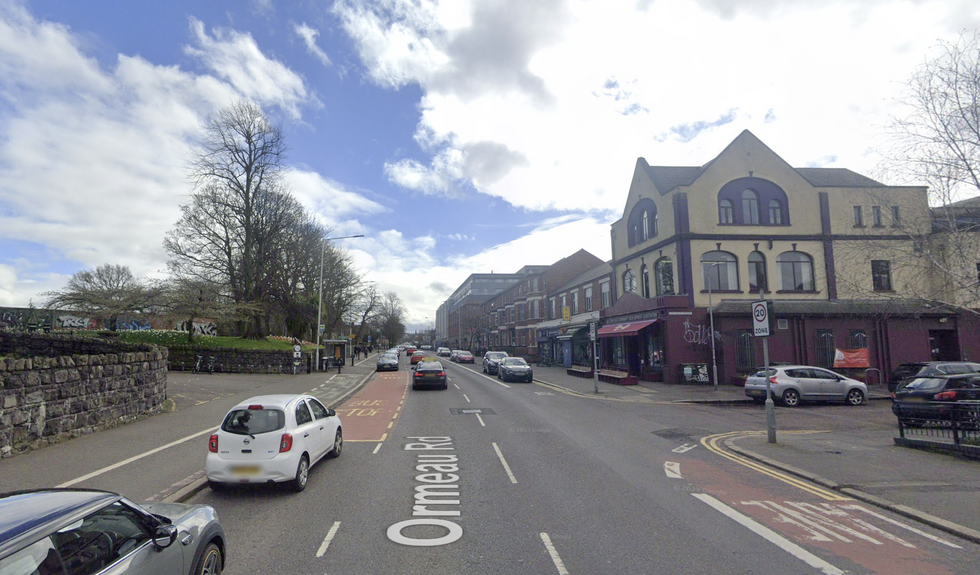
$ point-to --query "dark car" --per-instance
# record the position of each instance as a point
(491, 359)
(907, 371)
(87, 531)
(938, 398)
(514, 368)
(387, 362)
(430, 374)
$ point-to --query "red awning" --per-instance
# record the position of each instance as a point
(618, 329)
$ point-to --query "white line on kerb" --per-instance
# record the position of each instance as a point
(554, 554)
(503, 462)
(481, 420)
(328, 539)
(134, 458)
(771, 536)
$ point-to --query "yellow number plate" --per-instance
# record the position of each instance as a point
(246, 470)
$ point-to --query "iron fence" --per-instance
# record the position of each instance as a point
(954, 423)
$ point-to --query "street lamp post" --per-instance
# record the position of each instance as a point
(319, 307)
(711, 321)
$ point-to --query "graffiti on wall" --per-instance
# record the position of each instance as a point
(26, 319)
(699, 334)
(74, 322)
(200, 328)
(128, 324)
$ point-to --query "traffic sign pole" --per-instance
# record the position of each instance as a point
(760, 327)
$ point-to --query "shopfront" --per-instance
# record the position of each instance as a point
(633, 346)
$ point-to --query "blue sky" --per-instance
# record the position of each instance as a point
(458, 137)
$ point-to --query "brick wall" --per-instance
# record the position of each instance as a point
(56, 387)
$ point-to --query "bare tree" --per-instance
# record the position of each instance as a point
(108, 291)
(388, 317)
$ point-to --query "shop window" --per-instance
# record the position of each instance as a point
(795, 271)
(744, 353)
(665, 276)
(825, 348)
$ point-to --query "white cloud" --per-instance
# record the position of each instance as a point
(309, 35)
(236, 58)
(576, 97)
(332, 201)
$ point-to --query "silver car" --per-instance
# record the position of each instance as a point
(86, 531)
(792, 384)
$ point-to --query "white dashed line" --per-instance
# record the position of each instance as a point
(554, 554)
(328, 539)
(503, 462)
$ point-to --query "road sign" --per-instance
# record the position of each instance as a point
(760, 319)
(297, 354)
(297, 348)
(323, 328)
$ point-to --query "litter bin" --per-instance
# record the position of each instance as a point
(694, 373)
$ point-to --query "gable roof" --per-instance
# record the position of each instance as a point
(667, 178)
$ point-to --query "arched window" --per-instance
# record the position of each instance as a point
(645, 280)
(750, 207)
(719, 271)
(635, 234)
(664, 270)
(725, 212)
(757, 272)
(656, 225)
(795, 271)
(775, 213)
(642, 222)
(646, 226)
(629, 281)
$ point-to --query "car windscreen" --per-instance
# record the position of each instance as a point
(925, 383)
(496, 355)
(514, 361)
(253, 421)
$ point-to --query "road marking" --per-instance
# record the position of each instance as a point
(672, 469)
(770, 535)
(464, 397)
(503, 462)
(135, 458)
(902, 525)
(376, 449)
(481, 420)
(328, 539)
(554, 554)
(711, 442)
(456, 386)
(684, 448)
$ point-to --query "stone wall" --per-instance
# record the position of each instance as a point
(236, 360)
(56, 387)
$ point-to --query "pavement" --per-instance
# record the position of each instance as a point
(864, 463)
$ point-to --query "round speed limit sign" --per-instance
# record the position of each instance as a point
(760, 319)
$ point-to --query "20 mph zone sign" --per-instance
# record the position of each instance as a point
(760, 319)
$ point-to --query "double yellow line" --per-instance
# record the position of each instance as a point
(713, 444)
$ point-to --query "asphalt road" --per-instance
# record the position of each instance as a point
(547, 482)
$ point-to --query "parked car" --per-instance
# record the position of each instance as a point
(453, 354)
(443, 352)
(911, 370)
(491, 359)
(387, 362)
(514, 368)
(792, 384)
(417, 357)
(49, 531)
(430, 374)
(938, 397)
(273, 438)
(465, 357)
(410, 350)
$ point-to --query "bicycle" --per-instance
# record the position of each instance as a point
(200, 365)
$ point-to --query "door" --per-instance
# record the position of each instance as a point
(327, 425)
(309, 430)
(831, 386)
(805, 381)
(944, 344)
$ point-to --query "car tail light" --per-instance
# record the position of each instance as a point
(286, 443)
(441, 374)
(213, 444)
(945, 396)
(254, 407)
(893, 395)
(772, 379)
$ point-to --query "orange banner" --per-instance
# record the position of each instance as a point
(852, 358)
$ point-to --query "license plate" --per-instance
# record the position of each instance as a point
(246, 470)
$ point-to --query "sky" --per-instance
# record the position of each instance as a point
(458, 136)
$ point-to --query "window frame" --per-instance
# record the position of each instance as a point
(755, 269)
(858, 217)
(775, 212)
(796, 265)
(881, 275)
(711, 270)
(750, 207)
(726, 212)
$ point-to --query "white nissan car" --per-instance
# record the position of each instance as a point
(272, 438)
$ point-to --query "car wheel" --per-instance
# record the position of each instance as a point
(210, 561)
(217, 485)
(855, 397)
(791, 398)
(302, 474)
(338, 444)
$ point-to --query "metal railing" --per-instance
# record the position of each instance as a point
(953, 423)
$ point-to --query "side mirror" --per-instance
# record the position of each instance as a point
(331, 413)
(164, 536)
